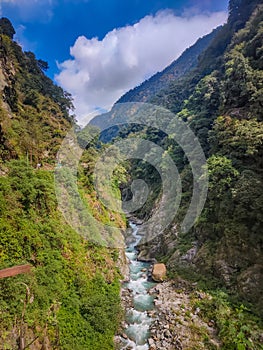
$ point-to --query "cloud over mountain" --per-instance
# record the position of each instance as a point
(100, 71)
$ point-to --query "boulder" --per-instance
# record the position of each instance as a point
(159, 272)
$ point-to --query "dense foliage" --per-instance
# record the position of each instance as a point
(236, 328)
(34, 113)
(70, 299)
(221, 100)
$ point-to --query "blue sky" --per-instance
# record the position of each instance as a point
(101, 33)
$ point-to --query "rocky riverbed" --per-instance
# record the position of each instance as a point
(177, 322)
(161, 316)
(136, 299)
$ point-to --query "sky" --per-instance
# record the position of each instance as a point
(99, 49)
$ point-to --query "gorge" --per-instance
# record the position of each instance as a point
(71, 296)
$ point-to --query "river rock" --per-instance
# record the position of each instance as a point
(174, 326)
(159, 272)
(151, 341)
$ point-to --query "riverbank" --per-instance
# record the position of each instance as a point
(178, 324)
(175, 315)
(135, 298)
(189, 319)
(171, 321)
(176, 321)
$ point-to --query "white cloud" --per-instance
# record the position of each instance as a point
(102, 70)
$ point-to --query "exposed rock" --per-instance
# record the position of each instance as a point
(190, 254)
(123, 265)
(250, 284)
(159, 272)
(161, 244)
(225, 271)
(176, 326)
(144, 255)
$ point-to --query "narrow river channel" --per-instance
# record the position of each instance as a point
(137, 316)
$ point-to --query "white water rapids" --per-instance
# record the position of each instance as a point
(137, 317)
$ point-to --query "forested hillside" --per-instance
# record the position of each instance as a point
(221, 100)
(70, 298)
(161, 80)
(34, 112)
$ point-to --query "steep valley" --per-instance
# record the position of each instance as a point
(78, 293)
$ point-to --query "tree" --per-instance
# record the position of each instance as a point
(42, 65)
(221, 175)
(6, 27)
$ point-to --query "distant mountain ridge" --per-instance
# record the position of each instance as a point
(161, 80)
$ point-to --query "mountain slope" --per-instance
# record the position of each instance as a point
(224, 109)
(34, 113)
(70, 298)
(161, 80)
(209, 61)
(221, 100)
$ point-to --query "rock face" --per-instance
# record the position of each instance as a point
(123, 265)
(159, 272)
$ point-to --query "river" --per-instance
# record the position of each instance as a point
(138, 318)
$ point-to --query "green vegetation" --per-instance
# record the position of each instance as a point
(70, 300)
(6, 27)
(221, 100)
(237, 328)
(161, 80)
(71, 297)
(74, 285)
(34, 113)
